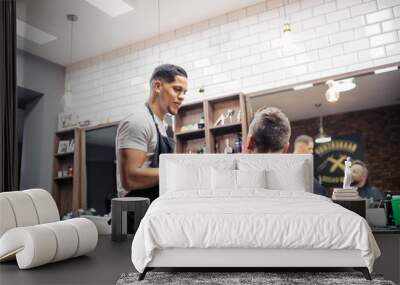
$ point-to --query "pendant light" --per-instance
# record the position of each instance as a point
(322, 137)
(336, 87)
(332, 95)
(287, 29)
(67, 100)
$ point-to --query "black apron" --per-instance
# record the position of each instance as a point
(164, 145)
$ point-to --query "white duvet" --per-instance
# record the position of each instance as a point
(250, 219)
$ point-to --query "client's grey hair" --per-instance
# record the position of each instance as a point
(362, 164)
(359, 162)
(304, 139)
(270, 130)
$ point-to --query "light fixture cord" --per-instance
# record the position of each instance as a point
(321, 126)
(70, 44)
(159, 30)
(284, 12)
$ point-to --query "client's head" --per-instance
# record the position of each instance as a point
(304, 145)
(269, 132)
(359, 173)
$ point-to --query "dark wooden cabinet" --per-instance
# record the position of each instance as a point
(357, 206)
(388, 264)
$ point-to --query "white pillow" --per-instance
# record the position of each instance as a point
(230, 180)
(193, 176)
(293, 180)
(223, 179)
(251, 178)
(183, 177)
(281, 174)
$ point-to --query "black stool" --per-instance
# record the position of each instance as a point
(119, 209)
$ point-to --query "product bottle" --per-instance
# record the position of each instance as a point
(238, 144)
(204, 149)
(201, 123)
(387, 203)
(70, 171)
(227, 148)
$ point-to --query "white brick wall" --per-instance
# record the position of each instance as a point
(243, 51)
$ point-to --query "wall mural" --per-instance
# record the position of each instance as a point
(329, 158)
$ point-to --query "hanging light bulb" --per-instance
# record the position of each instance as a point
(332, 94)
(322, 137)
(287, 37)
(67, 98)
(336, 87)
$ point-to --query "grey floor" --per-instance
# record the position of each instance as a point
(102, 266)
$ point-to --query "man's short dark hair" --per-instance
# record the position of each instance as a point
(167, 73)
(304, 139)
(359, 162)
(270, 130)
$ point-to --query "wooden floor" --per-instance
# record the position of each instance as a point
(102, 266)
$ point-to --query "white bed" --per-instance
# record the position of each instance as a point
(232, 211)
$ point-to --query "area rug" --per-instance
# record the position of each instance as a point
(269, 278)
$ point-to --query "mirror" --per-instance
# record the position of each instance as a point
(363, 123)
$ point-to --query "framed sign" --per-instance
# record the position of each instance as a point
(329, 158)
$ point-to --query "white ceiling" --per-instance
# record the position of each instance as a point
(96, 32)
(372, 91)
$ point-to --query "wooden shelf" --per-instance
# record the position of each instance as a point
(64, 154)
(69, 131)
(191, 135)
(226, 129)
(191, 106)
(63, 178)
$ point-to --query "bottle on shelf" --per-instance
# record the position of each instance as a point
(70, 171)
(204, 148)
(237, 147)
(216, 148)
(227, 148)
(387, 203)
(65, 171)
(201, 122)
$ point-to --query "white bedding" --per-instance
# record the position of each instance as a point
(251, 218)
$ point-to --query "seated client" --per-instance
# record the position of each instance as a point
(359, 175)
(269, 132)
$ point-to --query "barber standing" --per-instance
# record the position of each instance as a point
(305, 145)
(141, 137)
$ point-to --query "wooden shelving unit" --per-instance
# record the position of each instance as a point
(189, 140)
(212, 136)
(67, 186)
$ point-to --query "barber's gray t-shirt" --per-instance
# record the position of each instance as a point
(137, 131)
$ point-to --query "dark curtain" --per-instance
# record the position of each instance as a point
(8, 97)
